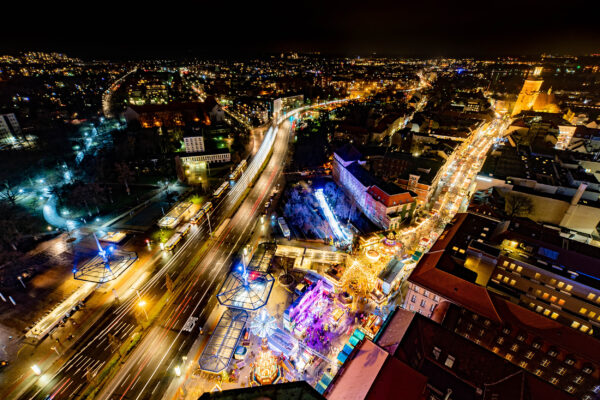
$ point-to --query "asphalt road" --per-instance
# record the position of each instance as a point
(150, 369)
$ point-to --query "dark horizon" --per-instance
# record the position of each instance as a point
(421, 29)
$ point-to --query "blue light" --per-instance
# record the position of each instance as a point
(111, 248)
(460, 70)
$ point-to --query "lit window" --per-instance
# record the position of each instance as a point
(584, 328)
(560, 285)
(587, 370)
(514, 347)
(582, 310)
(512, 282)
(575, 324)
(553, 299)
(538, 292)
(539, 308)
(539, 372)
(554, 380)
(569, 287)
(512, 265)
(591, 296)
(546, 312)
(553, 281)
(570, 389)
(523, 364)
(505, 263)
(578, 379)
(529, 355)
(554, 315)
(561, 302)
(500, 340)
(591, 314)
(509, 357)
(519, 268)
(537, 276)
(561, 371)
(505, 280)
(545, 296)
(436, 352)
(545, 362)
(449, 362)
(499, 276)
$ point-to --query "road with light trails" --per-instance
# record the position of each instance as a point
(149, 370)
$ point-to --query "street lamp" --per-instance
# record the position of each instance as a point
(36, 369)
(142, 305)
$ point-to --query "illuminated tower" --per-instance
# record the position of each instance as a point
(529, 93)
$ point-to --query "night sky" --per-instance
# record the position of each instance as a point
(223, 28)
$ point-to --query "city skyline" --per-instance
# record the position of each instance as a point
(429, 28)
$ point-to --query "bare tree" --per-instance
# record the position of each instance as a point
(125, 175)
(8, 193)
(517, 205)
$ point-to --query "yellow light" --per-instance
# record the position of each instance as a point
(142, 303)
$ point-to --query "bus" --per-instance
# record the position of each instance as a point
(238, 170)
(283, 226)
(201, 213)
(221, 190)
(172, 242)
(207, 207)
(185, 229)
(222, 227)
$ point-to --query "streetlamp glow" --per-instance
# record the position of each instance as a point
(36, 369)
(178, 371)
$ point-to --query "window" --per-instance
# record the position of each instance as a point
(506, 331)
(553, 299)
(546, 312)
(436, 298)
(553, 281)
(523, 364)
(529, 355)
(512, 282)
(432, 307)
(554, 315)
(553, 353)
(539, 308)
(537, 276)
(536, 345)
(514, 347)
(499, 276)
(582, 310)
(539, 372)
(509, 357)
(545, 296)
(591, 314)
(413, 299)
(587, 397)
(538, 292)
(561, 371)
(436, 352)
(505, 280)
(545, 362)
(519, 268)
(587, 370)
(512, 265)
(569, 287)
(591, 296)
(449, 362)
(505, 263)
(500, 340)
(570, 389)
(423, 303)
(554, 380)
(560, 285)
(561, 302)
(426, 293)
(578, 379)
(575, 324)
(584, 328)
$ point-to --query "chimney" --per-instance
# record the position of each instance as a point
(578, 194)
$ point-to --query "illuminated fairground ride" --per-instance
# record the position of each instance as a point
(266, 369)
(106, 266)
